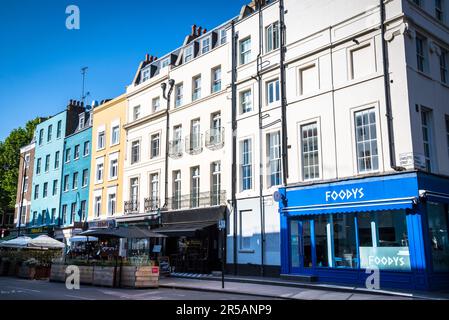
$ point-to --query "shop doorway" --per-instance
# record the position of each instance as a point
(301, 246)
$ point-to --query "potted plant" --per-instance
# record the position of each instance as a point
(27, 269)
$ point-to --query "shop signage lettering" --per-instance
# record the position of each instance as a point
(385, 258)
(345, 194)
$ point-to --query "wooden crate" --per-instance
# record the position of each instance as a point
(57, 273)
(86, 274)
(103, 276)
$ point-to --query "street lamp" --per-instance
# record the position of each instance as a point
(167, 96)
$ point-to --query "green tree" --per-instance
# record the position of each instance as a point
(9, 163)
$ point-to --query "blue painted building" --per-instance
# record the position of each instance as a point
(46, 193)
(75, 178)
(341, 232)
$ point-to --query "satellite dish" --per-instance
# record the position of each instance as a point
(277, 196)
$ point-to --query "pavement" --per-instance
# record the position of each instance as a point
(21, 289)
(284, 289)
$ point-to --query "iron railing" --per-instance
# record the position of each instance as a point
(175, 149)
(194, 143)
(215, 138)
(200, 200)
(151, 204)
(131, 206)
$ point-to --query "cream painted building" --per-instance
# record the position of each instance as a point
(108, 153)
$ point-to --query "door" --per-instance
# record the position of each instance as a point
(301, 246)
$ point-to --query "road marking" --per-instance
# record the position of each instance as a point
(37, 291)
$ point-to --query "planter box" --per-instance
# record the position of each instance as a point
(57, 273)
(86, 274)
(103, 276)
(26, 272)
(140, 277)
(42, 273)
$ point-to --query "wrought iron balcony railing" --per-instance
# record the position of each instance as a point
(199, 200)
(151, 204)
(215, 138)
(175, 149)
(194, 143)
(131, 206)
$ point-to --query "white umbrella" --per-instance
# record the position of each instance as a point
(45, 242)
(20, 242)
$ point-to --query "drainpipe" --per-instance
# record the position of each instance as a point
(283, 49)
(167, 97)
(386, 72)
(234, 139)
(260, 100)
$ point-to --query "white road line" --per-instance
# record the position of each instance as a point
(77, 297)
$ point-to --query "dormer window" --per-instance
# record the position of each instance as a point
(223, 36)
(205, 45)
(188, 54)
(145, 75)
(165, 63)
(81, 121)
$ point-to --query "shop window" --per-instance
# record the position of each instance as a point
(437, 214)
(383, 240)
(345, 247)
(294, 243)
(322, 237)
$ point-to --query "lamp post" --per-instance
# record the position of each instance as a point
(167, 96)
(24, 172)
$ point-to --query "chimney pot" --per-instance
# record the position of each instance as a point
(200, 30)
(147, 57)
(204, 31)
(194, 30)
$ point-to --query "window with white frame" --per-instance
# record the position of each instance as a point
(66, 183)
(75, 181)
(310, 151)
(55, 187)
(176, 189)
(36, 192)
(73, 212)
(205, 45)
(23, 214)
(38, 166)
(246, 104)
(366, 140)
(154, 190)
(86, 150)
(64, 214)
(57, 154)
(245, 230)
(272, 37)
(83, 210)
(439, 10)
(177, 138)
(53, 216)
(97, 206)
(81, 121)
(165, 63)
(195, 134)
(77, 152)
(99, 172)
(134, 190)
(59, 129)
(308, 78)
(215, 128)
(27, 160)
(223, 36)
(45, 190)
(112, 204)
(246, 170)
(245, 51)
(136, 113)
(25, 184)
(427, 132)
(444, 66)
(179, 94)
(49, 133)
(146, 74)
(85, 177)
(115, 135)
(195, 187)
(113, 169)
(155, 145)
(135, 152)
(188, 54)
(421, 52)
(273, 91)
(47, 163)
(216, 183)
(196, 88)
(216, 79)
(68, 154)
(274, 159)
(101, 140)
(156, 104)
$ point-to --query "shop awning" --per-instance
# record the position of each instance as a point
(122, 232)
(350, 207)
(184, 229)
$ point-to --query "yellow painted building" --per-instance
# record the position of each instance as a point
(108, 152)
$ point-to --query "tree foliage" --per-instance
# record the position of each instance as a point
(9, 163)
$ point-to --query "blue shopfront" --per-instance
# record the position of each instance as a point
(341, 232)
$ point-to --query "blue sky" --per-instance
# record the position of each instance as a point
(40, 59)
